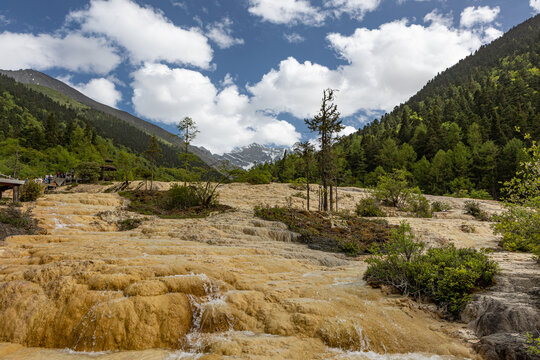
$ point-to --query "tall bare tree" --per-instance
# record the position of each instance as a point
(327, 124)
(153, 152)
(306, 150)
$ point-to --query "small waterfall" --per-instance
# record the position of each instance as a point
(209, 316)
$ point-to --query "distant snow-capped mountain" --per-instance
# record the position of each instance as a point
(247, 156)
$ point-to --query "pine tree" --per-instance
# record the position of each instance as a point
(327, 124)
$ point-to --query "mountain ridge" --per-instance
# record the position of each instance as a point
(34, 77)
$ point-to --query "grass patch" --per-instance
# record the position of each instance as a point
(346, 234)
(158, 203)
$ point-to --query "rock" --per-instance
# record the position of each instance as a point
(504, 346)
(502, 316)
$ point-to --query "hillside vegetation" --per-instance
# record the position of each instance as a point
(52, 132)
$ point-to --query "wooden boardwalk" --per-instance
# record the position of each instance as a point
(14, 184)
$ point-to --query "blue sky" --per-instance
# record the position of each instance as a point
(249, 70)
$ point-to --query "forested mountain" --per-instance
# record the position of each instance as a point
(465, 128)
(463, 132)
(55, 89)
(57, 135)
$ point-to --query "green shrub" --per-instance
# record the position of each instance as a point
(30, 191)
(480, 194)
(533, 343)
(393, 189)
(473, 208)
(438, 206)
(446, 275)
(519, 227)
(258, 177)
(182, 197)
(299, 184)
(13, 221)
(418, 205)
(368, 207)
(520, 223)
(129, 224)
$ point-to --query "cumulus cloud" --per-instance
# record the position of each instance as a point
(491, 34)
(294, 38)
(385, 66)
(478, 15)
(286, 11)
(294, 87)
(535, 4)
(102, 90)
(225, 117)
(72, 52)
(221, 33)
(144, 32)
(354, 8)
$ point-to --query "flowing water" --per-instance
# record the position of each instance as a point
(228, 286)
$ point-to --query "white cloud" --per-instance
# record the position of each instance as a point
(478, 15)
(221, 33)
(102, 90)
(144, 32)
(535, 4)
(354, 8)
(294, 38)
(347, 130)
(491, 34)
(385, 66)
(294, 87)
(225, 118)
(287, 11)
(436, 17)
(72, 52)
(292, 12)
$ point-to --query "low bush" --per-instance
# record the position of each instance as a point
(369, 207)
(13, 221)
(533, 343)
(418, 205)
(129, 224)
(182, 197)
(299, 184)
(393, 189)
(174, 203)
(30, 191)
(257, 177)
(446, 276)
(438, 206)
(519, 227)
(480, 194)
(473, 208)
